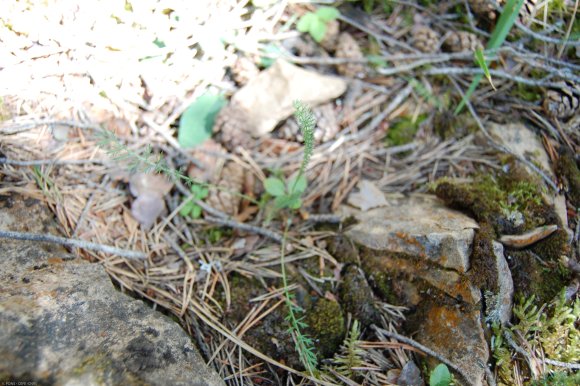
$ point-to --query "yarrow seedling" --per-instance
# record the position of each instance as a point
(288, 193)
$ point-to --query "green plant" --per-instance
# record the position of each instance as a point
(498, 36)
(550, 329)
(351, 354)
(304, 345)
(315, 23)
(196, 122)
(198, 192)
(288, 193)
(440, 376)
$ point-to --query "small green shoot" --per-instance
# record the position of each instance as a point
(288, 194)
(480, 60)
(304, 345)
(196, 122)
(315, 22)
(191, 208)
(440, 376)
(498, 36)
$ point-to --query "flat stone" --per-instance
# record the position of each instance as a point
(420, 226)
(458, 336)
(268, 99)
(63, 322)
(501, 304)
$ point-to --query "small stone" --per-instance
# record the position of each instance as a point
(410, 375)
(257, 108)
(501, 307)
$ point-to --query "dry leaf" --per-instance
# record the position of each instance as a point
(368, 196)
(147, 208)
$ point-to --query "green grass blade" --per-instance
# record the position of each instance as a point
(503, 27)
(481, 62)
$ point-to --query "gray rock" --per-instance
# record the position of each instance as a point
(500, 303)
(410, 375)
(268, 98)
(420, 226)
(62, 321)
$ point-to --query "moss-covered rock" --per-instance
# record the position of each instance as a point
(356, 296)
(326, 325)
(569, 174)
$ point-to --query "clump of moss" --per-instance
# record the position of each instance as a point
(357, 297)
(553, 246)
(448, 125)
(509, 202)
(343, 250)
(531, 278)
(483, 272)
(403, 130)
(326, 324)
(559, 378)
(569, 174)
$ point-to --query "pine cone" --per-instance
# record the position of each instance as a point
(230, 124)
(330, 39)
(210, 163)
(461, 41)
(425, 39)
(244, 70)
(485, 8)
(561, 102)
(347, 47)
(231, 183)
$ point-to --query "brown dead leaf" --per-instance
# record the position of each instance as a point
(368, 196)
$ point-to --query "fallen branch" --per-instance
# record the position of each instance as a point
(73, 243)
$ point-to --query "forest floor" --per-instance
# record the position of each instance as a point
(119, 116)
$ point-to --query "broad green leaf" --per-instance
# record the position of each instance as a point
(327, 13)
(305, 22)
(440, 376)
(196, 122)
(275, 186)
(295, 203)
(480, 60)
(500, 32)
(297, 186)
(317, 29)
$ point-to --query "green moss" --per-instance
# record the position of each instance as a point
(327, 326)
(510, 202)
(403, 130)
(483, 272)
(559, 378)
(553, 246)
(531, 278)
(382, 283)
(569, 174)
(343, 250)
(356, 296)
(527, 93)
(448, 125)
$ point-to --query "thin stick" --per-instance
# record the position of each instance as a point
(7, 161)
(20, 127)
(73, 243)
(245, 227)
(419, 346)
(567, 37)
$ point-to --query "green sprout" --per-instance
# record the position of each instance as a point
(315, 23)
(191, 209)
(288, 193)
